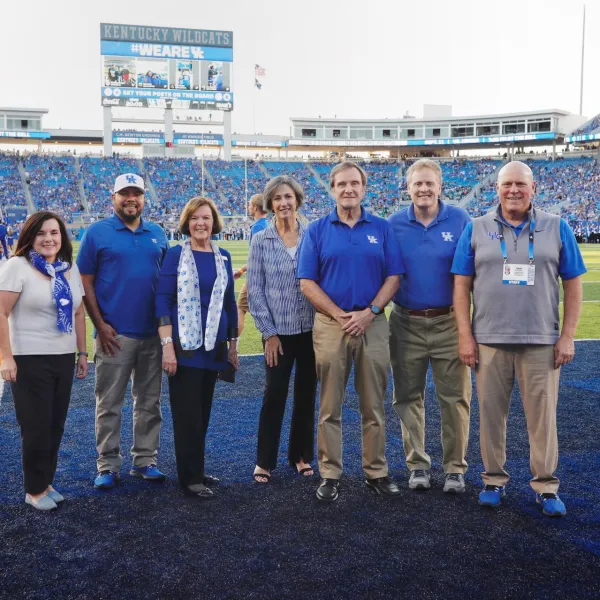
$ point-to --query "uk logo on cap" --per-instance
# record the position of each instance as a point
(128, 180)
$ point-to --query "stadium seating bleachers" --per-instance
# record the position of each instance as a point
(11, 186)
(54, 184)
(569, 186)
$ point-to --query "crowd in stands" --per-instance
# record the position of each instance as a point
(588, 127)
(99, 176)
(11, 185)
(230, 182)
(314, 190)
(570, 186)
(54, 184)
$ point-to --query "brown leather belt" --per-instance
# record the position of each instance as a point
(429, 312)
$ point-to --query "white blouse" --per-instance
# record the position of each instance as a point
(32, 322)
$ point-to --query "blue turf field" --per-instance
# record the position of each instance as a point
(147, 541)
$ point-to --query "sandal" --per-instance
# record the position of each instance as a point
(267, 476)
(305, 472)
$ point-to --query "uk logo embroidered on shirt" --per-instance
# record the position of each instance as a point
(447, 235)
(372, 239)
(494, 235)
(155, 241)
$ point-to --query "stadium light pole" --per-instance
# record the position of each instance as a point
(582, 61)
(246, 177)
(202, 159)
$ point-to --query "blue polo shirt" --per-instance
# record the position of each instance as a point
(126, 265)
(259, 226)
(570, 263)
(350, 264)
(427, 253)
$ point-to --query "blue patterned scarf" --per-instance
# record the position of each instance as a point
(61, 291)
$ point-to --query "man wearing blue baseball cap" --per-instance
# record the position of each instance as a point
(119, 260)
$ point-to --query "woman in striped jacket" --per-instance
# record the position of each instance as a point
(285, 319)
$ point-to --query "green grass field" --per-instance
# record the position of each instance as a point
(589, 325)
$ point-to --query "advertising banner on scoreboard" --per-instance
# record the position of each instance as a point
(36, 135)
(179, 139)
(137, 137)
(198, 139)
(158, 67)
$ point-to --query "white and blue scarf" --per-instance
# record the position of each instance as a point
(189, 312)
(61, 290)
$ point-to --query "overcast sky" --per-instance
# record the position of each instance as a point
(352, 59)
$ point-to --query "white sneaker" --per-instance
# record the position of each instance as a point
(419, 480)
(455, 483)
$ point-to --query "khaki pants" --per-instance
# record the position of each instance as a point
(533, 366)
(414, 343)
(242, 301)
(141, 361)
(335, 352)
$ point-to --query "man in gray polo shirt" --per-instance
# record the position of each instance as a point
(511, 259)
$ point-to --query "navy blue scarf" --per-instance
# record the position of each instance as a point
(61, 291)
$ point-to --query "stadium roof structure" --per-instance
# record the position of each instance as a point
(400, 135)
(519, 129)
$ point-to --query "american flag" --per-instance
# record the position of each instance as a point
(259, 71)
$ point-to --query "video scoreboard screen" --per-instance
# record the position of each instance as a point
(164, 67)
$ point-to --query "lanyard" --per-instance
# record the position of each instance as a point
(503, 243)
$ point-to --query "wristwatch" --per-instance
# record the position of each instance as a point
(165, 341)
(375, 309)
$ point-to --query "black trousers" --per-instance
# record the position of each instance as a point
(191, 394)
(298, 348)
(42, 394)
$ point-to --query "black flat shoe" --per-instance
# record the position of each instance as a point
(384, 486)
(328, 490)
(209, 480)
(198, 490)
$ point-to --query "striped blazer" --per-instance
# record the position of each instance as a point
(274, 297)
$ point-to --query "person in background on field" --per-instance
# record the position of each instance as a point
(257, 212)
(3, 234)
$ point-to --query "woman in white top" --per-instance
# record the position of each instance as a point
(42, 323)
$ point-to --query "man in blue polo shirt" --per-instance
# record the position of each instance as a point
(349, 265)
(258, 213)
(119, 260)
(423, 329)
(511, 260)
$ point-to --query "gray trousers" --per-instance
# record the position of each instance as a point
(140, 360)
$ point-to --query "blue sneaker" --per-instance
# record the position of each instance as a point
(491, 495)
(150, 472)
(106, 480)
(552, 505)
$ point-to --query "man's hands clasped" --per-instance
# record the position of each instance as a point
(356, 322)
